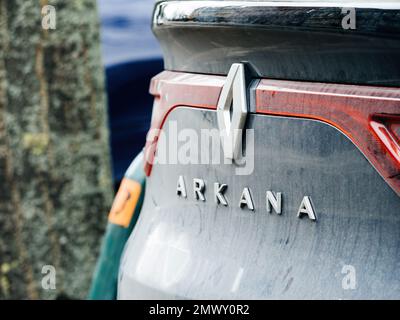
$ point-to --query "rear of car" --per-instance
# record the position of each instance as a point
(273, 157)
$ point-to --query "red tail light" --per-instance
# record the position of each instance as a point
(369, 116)
(387, 128)
(349, 108)
(172, 89)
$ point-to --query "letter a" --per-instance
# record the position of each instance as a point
(306, 207)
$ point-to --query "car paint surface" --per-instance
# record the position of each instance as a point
(183, 248)
(311, 139)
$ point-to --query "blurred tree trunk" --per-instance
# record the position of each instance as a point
(55, 183)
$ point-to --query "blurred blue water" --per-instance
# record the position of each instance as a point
(126, 31)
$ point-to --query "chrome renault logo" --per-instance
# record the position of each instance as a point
(232, 111)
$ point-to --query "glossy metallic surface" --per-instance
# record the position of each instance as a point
(181, 187)
(257, 13)
(219, 190)
(246, 200)
(274, 202)
(198, 189)
(307, 208)
(292, 40)
(172, 89)
(202, 191)
(185, 248)
(349, 108)
(232, 111)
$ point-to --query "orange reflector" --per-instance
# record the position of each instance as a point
(125, 203)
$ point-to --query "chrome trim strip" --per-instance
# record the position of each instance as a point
(248, 12)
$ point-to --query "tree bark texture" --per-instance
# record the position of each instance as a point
(55, 181)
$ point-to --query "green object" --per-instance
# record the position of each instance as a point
(105, 278)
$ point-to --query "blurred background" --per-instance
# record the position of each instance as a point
(131, 56)
(74, 112)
